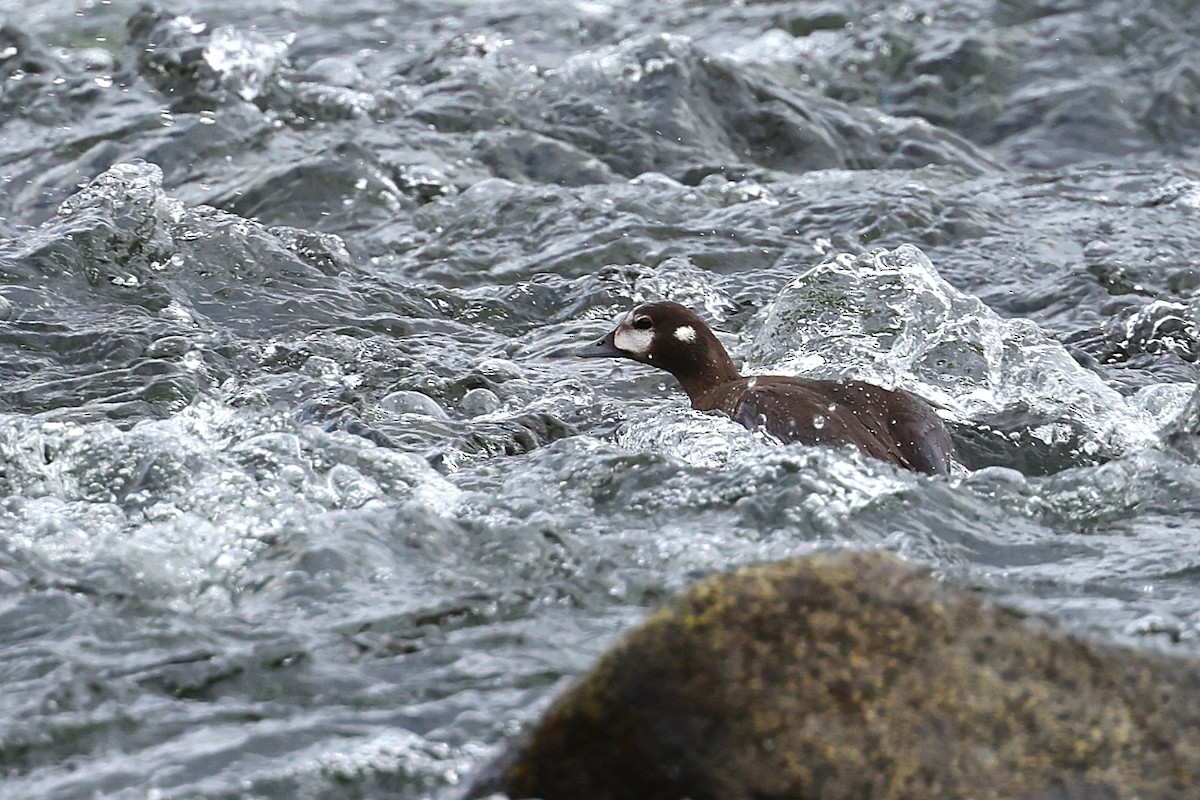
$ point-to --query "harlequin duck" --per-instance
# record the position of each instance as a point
(891, 425)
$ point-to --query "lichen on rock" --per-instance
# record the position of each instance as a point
(859, 676)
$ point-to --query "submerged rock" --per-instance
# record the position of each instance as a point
(858, 676)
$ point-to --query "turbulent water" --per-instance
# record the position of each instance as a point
(294, 502)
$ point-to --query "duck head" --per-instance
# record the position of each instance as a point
(671, 337)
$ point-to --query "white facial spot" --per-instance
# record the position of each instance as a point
(631, 340)
(685, 333)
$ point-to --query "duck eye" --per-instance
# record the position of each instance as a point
(643, 323)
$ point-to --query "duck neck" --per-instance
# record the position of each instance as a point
(700, 378)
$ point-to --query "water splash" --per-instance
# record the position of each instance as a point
(889, 318)
(244, 62)
(182, 509)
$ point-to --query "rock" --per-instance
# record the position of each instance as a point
(858, 676)
(479, 401)
(518, 155)
(409, 402)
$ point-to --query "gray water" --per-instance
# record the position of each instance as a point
(295, 504)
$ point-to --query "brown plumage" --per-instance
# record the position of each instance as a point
(891, 425)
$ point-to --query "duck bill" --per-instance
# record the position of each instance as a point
(601, 348)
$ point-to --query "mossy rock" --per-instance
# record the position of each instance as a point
(858, 676)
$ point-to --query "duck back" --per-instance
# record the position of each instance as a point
(890, 425)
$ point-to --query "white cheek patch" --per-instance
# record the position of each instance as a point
(686, 334)
(631, 340)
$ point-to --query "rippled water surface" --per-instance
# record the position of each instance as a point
(294, 500)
